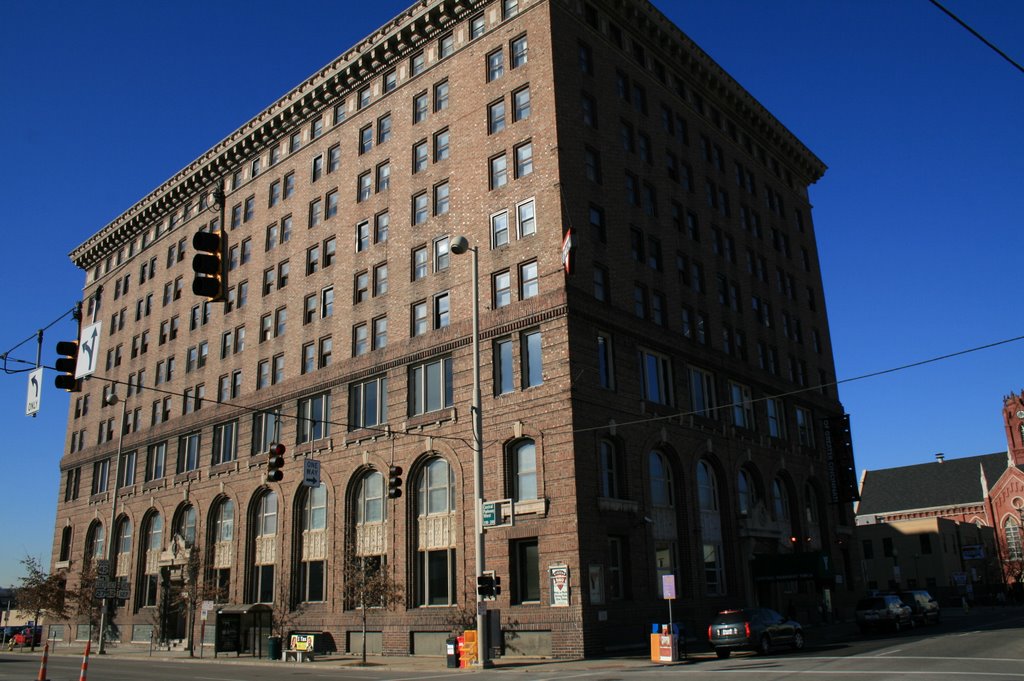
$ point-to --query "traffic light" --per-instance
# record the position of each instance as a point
(208, 265)
(66, 364)
(488, 585)
(394, 482)
(275, 462)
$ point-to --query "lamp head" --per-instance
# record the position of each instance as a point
(459, 245)
(112, 399)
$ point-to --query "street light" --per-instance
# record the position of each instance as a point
(460, 245)
(111, 399)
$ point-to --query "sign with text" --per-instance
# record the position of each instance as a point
(559, 576)
(311, 473)
(668, 587)
(35, 391)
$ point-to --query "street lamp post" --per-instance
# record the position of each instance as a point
(459, 246)
(111, 547)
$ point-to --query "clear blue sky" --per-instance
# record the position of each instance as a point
(918, 218)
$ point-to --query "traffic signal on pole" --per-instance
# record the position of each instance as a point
(394, 482)
(208, 265)
(488, 585)
(65, 380)
(275, 462)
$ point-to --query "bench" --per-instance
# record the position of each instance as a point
(299, 655)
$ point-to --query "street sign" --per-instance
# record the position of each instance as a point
(490, 514)
(102, 569)
(123, 591)
(311, 473)
(207, 607)
(35, 391)
(89, 350)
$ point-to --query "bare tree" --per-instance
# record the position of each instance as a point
(84, 604)
(43, 593)
(368, 584)
(285, 613)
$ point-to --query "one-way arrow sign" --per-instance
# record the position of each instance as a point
(89, 350)
(35, 391)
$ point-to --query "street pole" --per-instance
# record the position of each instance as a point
(459, 246)
(111, 548)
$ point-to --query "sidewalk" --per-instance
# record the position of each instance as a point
(830, 634)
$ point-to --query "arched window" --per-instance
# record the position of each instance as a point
(65, 543)
(745, 493)
(152, 544)
(123, 543)
(611, 479)
(711, 529)
(707, 487)
(780, 505)
(94, 541)
(370, 508)
(435, 552)
(1014, 550)
(222, 537)
(187, 526)
(524, 463)
(312, 568)
(264, 548)
(661, 480)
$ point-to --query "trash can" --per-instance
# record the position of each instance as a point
(274, 647)
(451, 646)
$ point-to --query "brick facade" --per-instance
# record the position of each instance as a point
(712, 302)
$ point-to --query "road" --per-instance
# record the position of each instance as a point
(989, 648)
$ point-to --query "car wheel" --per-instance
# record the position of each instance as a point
(722, 653)
(896, 626)
(798, 640)
(764, 646)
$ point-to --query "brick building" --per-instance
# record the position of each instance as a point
(985, 491)
(632, 408)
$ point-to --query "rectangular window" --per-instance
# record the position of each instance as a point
(504, 379)
(605, 361)
(442, 142)
(420, 263)
(655, 377)
(442, 200)
(525, 571)
(742, 405)
(384, 128)
(496, 117)
(266, 429)
(521, 104)
(224, 442)
(495, 65)
(524, 159)
(419, 156)
(419, 108)
(442, 255)
(776, 419)
(368, 403)
(702, 392)
(383, 176)
(499, 171)
(502, 289)
(499, 230)
(441, 94)
(532, 366)
(188, 452)
(804, 427)
(419, 208)
(156, 461)
(519, 52)
(365, 139)
(430, 386)
(419, 318)
(314, 415)
(528, 281)
(442, 310)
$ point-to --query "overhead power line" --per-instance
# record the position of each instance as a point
(978, 35)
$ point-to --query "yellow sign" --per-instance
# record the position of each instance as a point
(302, 642)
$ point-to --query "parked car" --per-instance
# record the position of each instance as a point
(923, 607)
(28, 636)
(883, 612)
(760, 629)
(7, 633)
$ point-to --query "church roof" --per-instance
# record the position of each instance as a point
(928, 485)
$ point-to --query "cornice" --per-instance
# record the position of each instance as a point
(383, 48)
(668, 39)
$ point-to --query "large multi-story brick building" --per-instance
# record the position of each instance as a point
(657, 411)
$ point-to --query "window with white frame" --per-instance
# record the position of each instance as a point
(742, 405)
(314, 415)
(523, 457)
(702, 392)
(430, 386)
(368, 403)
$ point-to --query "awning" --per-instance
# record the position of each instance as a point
(243, 609)
(782, 567)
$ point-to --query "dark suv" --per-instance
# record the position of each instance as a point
(759, 629)
(883, 612)
(923, 607)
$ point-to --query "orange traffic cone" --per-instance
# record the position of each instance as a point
(42, 665)
(85, 661)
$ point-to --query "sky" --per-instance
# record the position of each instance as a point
(918, 218)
